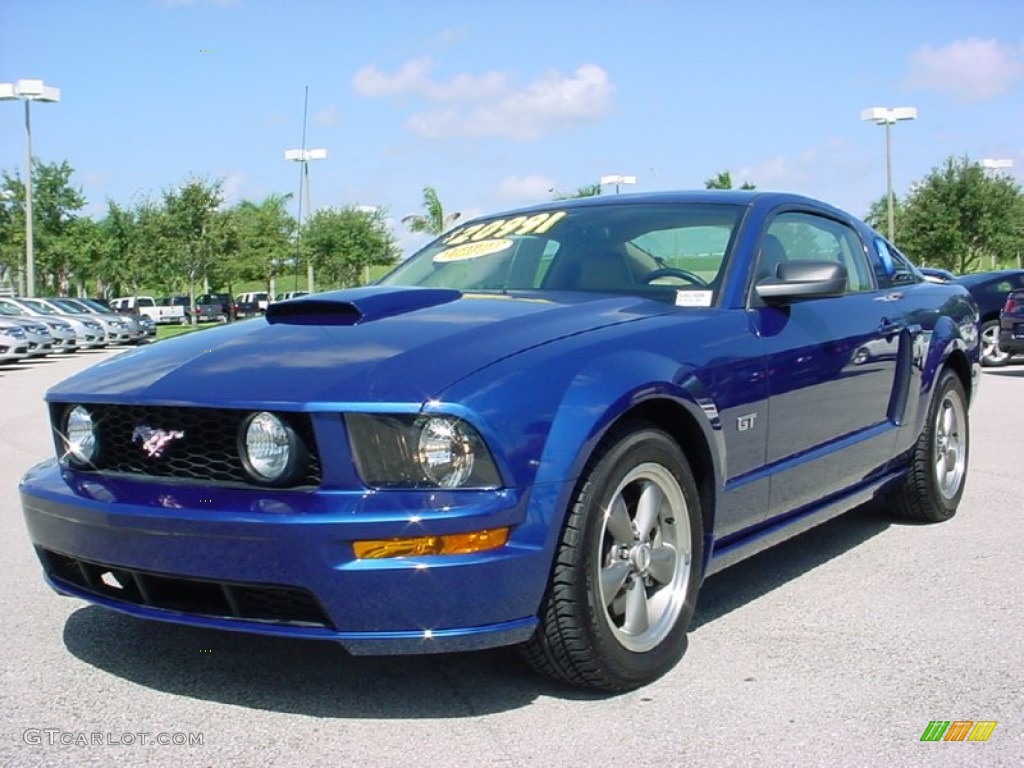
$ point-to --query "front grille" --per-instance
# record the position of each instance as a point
(199, 597)
(208, 450)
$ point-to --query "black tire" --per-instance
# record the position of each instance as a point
(991, 354)
(932, 490)
(596, 629)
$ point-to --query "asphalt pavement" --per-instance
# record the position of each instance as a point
(837, 648)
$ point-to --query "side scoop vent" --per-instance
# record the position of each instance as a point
(358, 305)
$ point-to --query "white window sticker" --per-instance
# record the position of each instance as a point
(693, 298)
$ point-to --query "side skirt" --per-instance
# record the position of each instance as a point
(749, 542)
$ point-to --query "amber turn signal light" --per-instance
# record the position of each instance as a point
(450, 544)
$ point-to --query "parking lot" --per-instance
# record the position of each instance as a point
(835, 648)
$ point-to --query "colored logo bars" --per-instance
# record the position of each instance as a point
(958, 730)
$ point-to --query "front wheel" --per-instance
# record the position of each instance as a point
(624, 584)
(938, 472)
(991, 353)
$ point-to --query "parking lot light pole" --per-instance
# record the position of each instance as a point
(304, 156)
(617, 179)
(29, 91)
(996, 164)
(887, 116)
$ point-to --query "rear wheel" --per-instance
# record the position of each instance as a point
(624, 584)
(932, 490)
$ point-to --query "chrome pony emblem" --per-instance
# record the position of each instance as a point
(154, 441)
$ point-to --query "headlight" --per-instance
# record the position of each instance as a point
(419, 451)
(271, 451)
(79, 435)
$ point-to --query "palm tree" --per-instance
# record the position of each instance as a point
(434, 221)
(724, 181)
(587, 190)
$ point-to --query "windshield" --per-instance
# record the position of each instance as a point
(38, 306)
(68, 307)
(671, 252)
(89, 304)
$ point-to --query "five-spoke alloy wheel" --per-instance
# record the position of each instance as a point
(624, 584)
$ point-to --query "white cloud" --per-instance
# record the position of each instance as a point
(414, 78)
(526, 189)
(554, 102)
(232, 187)
(452, 35)
(971, 69)
(487, 104)
(810, 171)
(779, 172)
(327, 116)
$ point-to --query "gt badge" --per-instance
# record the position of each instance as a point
(154, 441)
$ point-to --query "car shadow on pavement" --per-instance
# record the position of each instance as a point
(757, 576)
(308, 677)
(320, 679)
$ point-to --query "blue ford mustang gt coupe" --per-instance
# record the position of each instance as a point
(543, 429)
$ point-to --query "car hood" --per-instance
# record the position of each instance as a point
(374, 344)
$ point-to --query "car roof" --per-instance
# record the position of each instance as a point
(980, 277)
(724, 196)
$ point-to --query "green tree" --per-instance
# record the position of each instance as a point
(587, 190)
(187, 226)
(85, 247)
(264, 231)
(343, 243)
(132, 243)
(723, 180)
(12, 228)
(877, 216)
(227, 267)
(434, 221)
(963, 219)
(55, 206)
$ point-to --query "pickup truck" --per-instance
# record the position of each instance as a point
(214, 307)
(251, 304)
(147, 305)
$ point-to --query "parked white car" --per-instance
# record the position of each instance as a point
(40, 341)
(65, 339)
(13, 342)
(91, 333)
(121, 329)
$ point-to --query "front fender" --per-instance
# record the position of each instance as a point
(608, 388)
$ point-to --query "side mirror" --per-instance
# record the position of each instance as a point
(800, 279)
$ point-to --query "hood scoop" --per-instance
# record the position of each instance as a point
(357, 305)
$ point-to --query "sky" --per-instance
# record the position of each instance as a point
(498, 105)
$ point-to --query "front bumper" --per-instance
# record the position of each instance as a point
(281, 562)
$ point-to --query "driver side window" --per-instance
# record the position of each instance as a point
(818, 238)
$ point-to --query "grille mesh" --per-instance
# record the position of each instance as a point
(207, 451)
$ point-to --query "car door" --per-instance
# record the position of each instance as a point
(831, 366)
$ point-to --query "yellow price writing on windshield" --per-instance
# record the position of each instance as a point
(537, 224)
